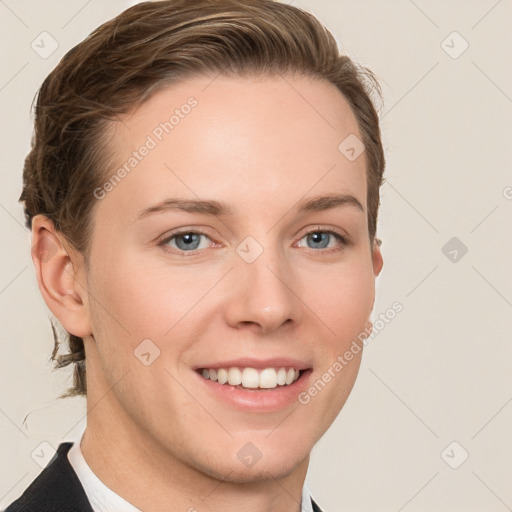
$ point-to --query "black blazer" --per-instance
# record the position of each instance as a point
(58, 489)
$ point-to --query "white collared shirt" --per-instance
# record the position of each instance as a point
(104, 499)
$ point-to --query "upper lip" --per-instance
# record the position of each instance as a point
(249, 362)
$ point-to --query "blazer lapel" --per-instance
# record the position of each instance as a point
(316, 508)
(57, 488)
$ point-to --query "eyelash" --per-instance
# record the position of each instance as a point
(342, 239)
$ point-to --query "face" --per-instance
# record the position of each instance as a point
(221, 286)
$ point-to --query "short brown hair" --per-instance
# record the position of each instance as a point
(151, 45)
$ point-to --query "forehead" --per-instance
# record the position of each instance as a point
(248, 141)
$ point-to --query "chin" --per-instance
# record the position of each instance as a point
(275, 466)
(249, 458)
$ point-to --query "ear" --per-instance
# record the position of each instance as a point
(377, 260)
(61, 277)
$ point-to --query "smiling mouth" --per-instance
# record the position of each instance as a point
(252, 378)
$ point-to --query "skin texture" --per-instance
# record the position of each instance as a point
(155, 435)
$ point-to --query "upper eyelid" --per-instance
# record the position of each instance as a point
(167, 237)
(199, 231)
(343, 239)
(340, 232)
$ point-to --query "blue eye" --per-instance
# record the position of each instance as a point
(187, 241)
(191, 241)
(321, 239)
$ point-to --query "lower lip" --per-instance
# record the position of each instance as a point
(258, 400)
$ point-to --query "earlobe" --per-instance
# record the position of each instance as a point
(377, 260)
(58, 276)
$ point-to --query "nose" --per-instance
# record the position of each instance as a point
(264, 296)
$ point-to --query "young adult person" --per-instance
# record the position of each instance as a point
(202, 189)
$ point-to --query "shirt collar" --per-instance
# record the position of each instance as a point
(306, 505)
(101, 497)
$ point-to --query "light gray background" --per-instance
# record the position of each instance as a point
(441, 370)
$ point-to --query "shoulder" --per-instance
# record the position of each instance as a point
(56, 489)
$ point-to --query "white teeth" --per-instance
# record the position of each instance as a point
(267, 378)
(281, 376)
(222, 376)
(250, 378)
(234, 376)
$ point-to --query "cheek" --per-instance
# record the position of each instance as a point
(344, 305)
(140, 310)
(149, 301)
(342, 299)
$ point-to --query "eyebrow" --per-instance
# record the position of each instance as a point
(218, 208)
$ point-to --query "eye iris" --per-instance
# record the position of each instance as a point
(319, 238)
(188, 241)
